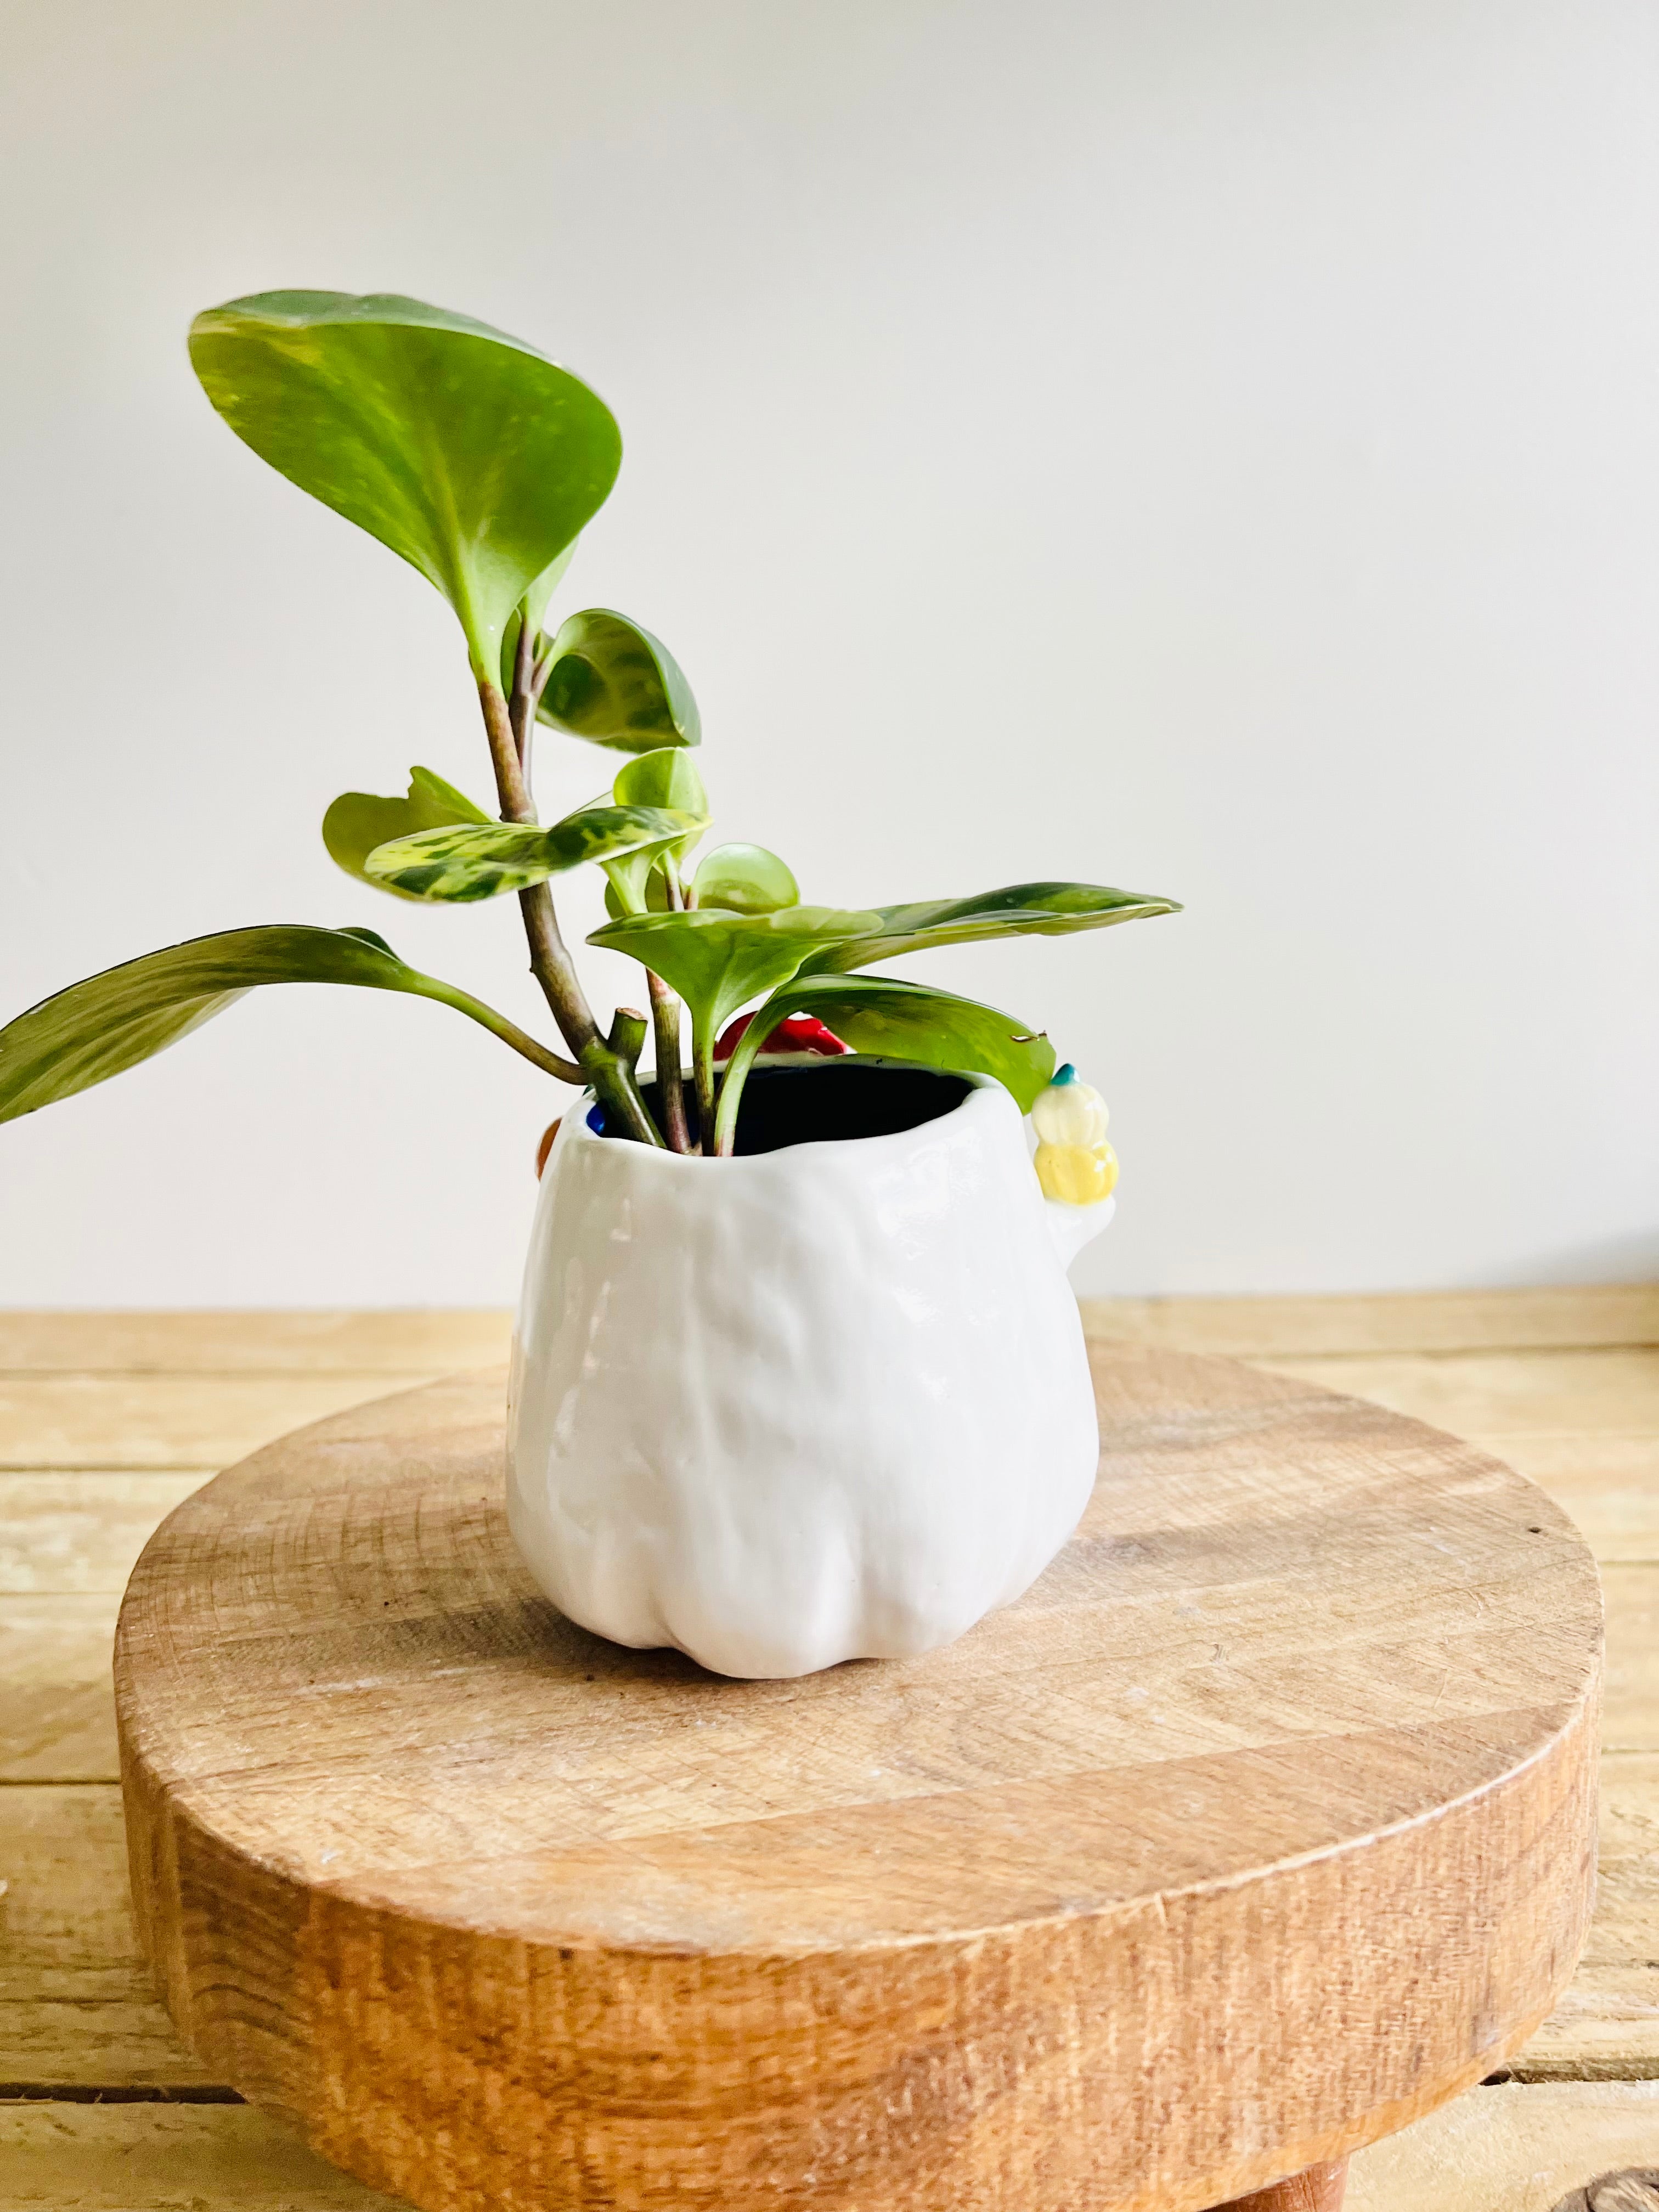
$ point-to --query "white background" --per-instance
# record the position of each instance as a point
(1207, 446)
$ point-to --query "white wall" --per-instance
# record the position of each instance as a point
(1211, 445)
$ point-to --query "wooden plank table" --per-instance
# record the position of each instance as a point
(106, 1422)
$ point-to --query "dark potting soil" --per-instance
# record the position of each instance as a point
(828, 1100)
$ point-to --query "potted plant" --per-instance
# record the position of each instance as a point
(798, 1375)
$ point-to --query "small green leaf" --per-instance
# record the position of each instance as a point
(619, 907)
(480, 860)
(1017, 910)
(717, 961)
(357, 821)
(899, 1021)
(746, 879)
(615, 684)
(467, 452)
(667, 777)
(112, 1021)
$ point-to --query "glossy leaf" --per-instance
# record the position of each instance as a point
(669, 778)
(615, 684)
(717, 961)
(1017, 910)
(481, 860)
(898, 1021)
(541, 590)
(746, 879)
(467, 452)
(619, 907)
(112, 1021)
(357, 821)
(537, 595)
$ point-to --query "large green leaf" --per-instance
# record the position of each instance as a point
(615, 684)
(718, 961)
(900, 1021)
(111, 1022)
(668, 778)
(1017, 910)
(467, 452)
(746, 879)
(357, 821)
(480, 860)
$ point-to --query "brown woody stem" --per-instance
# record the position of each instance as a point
(521, 709)
(611, 1076)
(627, 1038)
(671, 1086)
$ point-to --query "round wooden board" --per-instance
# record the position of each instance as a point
(1261, 1825)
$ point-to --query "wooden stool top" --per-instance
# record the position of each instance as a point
(1261, 1825)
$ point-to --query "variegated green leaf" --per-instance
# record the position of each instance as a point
(358, 820)
(615, 684)
(718, 961)
(467, 452)
(745, 878)
(481, 860)
(1017, 910)
(899, 1021)
(111, 1022)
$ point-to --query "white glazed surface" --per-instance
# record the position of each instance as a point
(825, 1403)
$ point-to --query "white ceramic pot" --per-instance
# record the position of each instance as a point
(825, 1402)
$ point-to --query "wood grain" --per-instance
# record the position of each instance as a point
(1298, 1730)
(163, 2157)
(80, 1533)
(78, 2007)
(1499, 1395)
(82, 2009)
(57, 1716)
(170, 1422)
(1606, 2024)
(1609, 1485)
(1511, 2149)
(416, 1341)
(1320, 2189)
(1472, 1321)
(1632, 1715)
(1496, 2150)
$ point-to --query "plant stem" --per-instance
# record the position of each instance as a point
(702, 1062)
(743, 1058)
(550, 964)
(668, 1035)
(521, 710)
(627, 1038)
(509, 1031)
(510, 788)
(665, 1021)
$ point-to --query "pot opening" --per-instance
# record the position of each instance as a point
(826, 1100)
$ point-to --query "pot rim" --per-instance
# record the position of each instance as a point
(576, 1129)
